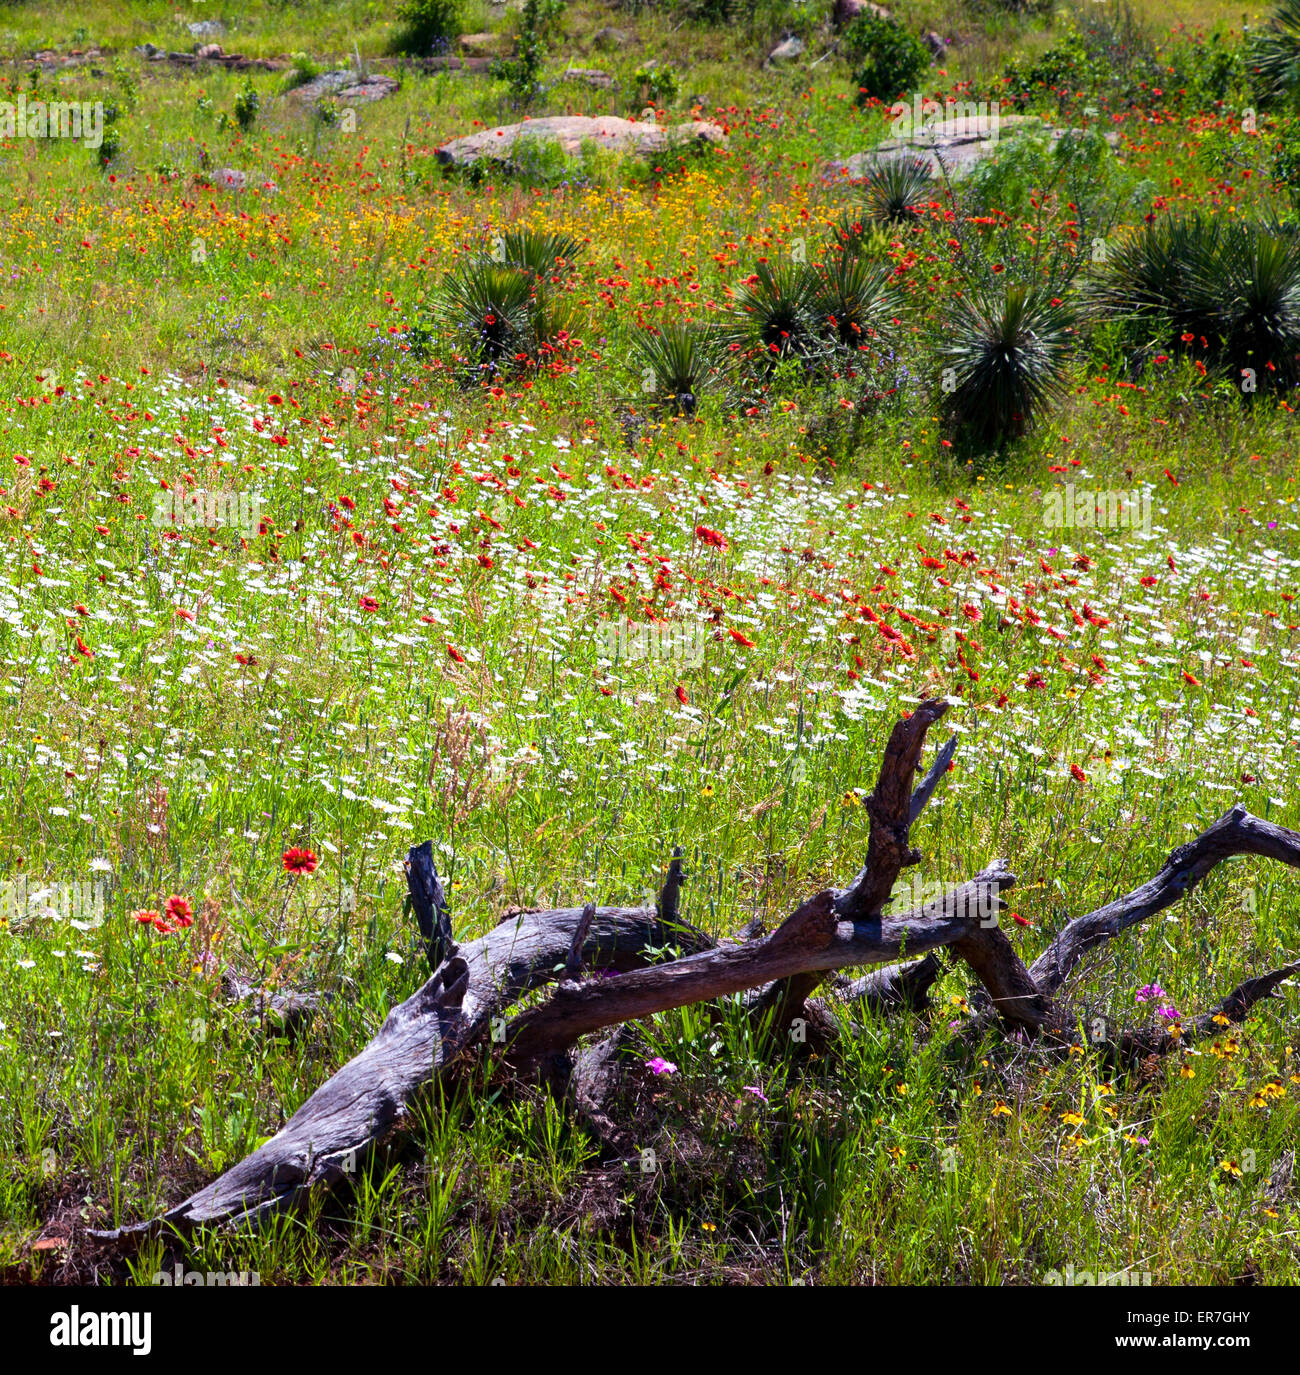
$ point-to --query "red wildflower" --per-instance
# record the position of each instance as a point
(180, 911)
(298, 861)
(681, 695)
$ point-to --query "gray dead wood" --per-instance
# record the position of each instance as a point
(372, 1095)
(892, 808)
(426, 1038)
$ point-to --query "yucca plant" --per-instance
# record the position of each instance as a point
(535, 251)
(678, 363)
(856, 301)
(895, 191)
(1273, 54)
(775, 316)
(1257, 310)
(491, 311)
(1002, 360)
(1228, 292)
(1161, 279)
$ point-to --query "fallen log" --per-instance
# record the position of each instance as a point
(461, 1011)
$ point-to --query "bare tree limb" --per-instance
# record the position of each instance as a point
(892, 986)
(811, 938)
(426, 1037)
(1236, 832)
(892, 808)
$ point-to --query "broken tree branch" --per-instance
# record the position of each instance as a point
(426, 1038)
(430, 905)
(892, 808)
(1236, 832)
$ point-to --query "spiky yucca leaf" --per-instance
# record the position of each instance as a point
(536, 251)
(679, 363)
(1002, 359)
(856, 300)
(775, 316)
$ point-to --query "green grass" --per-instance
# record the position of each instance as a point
(547, 763)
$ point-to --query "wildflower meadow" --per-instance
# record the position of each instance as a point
(635, 507)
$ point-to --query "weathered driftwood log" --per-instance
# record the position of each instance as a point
(461, 1009)
(1026, 998)
(323, 1141)
(892, 808)
(284, 1012)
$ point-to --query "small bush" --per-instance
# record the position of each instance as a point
(427, 26)
(1002, 360)
(302, 71)
(247, 104)
(539, 28)
(886, 59)
(661, 84)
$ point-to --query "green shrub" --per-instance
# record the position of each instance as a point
(427, 25)
(302, 70)
(247, 104)
(1274, 55)
(539, 28)
(501, 316)
(1002, 360)
(886, 59)
(661, 84)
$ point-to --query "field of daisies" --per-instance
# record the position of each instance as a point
(567, 511)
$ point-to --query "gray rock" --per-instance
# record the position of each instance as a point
(611, 38)
(208, 52)
(938, 48)
(846, 10)
(588, 76)
(787, 51)
(345, 86)
(485, 44)
(960, 144)
(206, 28)
(571, 132)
